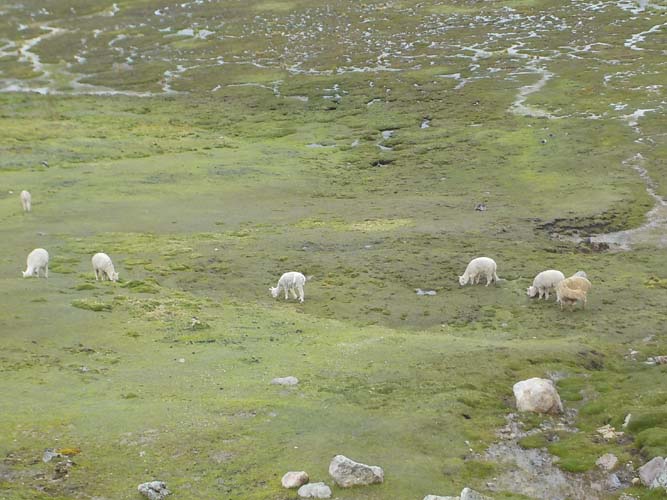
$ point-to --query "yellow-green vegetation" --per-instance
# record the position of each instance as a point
(208, 147)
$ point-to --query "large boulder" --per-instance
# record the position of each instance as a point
(537, 395)
(294, 479)
(314, 490)
(654, 473)
(154, 490)
(346, 472)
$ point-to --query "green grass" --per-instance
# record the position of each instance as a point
(204, 198)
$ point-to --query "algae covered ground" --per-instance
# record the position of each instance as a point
(209, 146)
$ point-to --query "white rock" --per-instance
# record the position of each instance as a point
(285, 381)
(537, 395)
(654, 473)
(294, 479)
(314, 490)
(436, 497)
(468, 494)
(628, 417)
(608, 432)
(607, 461)
(346, 472)
(154, 490)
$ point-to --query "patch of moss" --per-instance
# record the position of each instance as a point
(653, 442)
(142, 286)
(537, 440)
(91, 305)
(644, 421)
(576, 452)
(655, 282)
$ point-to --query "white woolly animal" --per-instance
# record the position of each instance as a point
(38, 260)
(290, 282)
(572, 290)
(545, 282)
(103, 267)
(26, 201)
(481, 266)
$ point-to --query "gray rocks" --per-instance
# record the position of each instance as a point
(613, 482)
(50, 454)
(346, 472)
(285, 381)
(468, 494)
(654, 473)
(294, 479)
(314, 490)
(607, 461)
(154, 490)
(537, 395)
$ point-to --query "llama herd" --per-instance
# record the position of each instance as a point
(38, 264)
(568, 290)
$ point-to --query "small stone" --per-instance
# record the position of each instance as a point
(613, 482)
(154, 490)
(285, 381)
(607, 461)
(436, 497)
(314, 490)
(50, 454)
(660, 360)
(294, 479)
(62, 469)
(468, 494)
(346, 472)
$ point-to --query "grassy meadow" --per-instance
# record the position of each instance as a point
(350, 141)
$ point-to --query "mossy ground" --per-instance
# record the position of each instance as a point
(204, 198)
